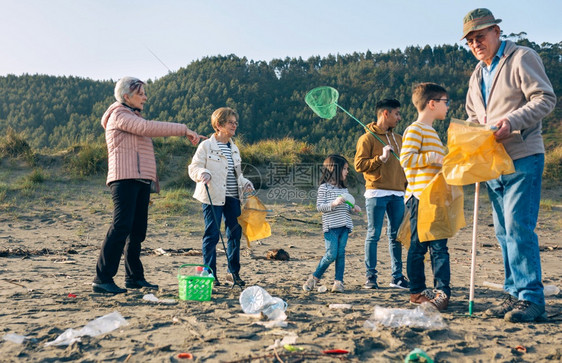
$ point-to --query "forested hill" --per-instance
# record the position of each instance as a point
(56, 112)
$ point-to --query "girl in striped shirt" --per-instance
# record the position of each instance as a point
(336, 220)
(421, 157)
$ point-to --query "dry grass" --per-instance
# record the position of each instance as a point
(553, 165)
(285, 150)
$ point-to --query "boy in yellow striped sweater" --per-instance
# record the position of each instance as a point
(421, 157)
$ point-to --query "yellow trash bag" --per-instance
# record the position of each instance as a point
(474, 154)
(404, 234)
(252, 220)
(440, 210)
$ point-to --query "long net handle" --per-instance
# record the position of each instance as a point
(234, 282)
(365, 127)
(473, 262)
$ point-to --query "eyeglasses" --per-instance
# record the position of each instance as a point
(478, 38)
(235, 123)
(447, 101)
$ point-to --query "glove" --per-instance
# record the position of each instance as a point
(385, 153)
(249, 187)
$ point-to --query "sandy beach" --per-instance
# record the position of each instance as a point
(49, 247)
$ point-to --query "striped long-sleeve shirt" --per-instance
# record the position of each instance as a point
(421, 147)
(333, 217)
(231, 184)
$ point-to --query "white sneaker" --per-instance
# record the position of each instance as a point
(338, 286)
(400, 283)
(310, 284)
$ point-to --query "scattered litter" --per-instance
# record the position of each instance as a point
(15, 338)
(551, 290)
(278, 254)
(96, 327)
(335, 351)
(520, 349)
(185, 356)
(65, 261)
(152, 298)
(492, 285)
(292, 348)
(255, 300)
(287, 340)
(161, 252)
(72, 295)
(322, 288)
(340, 306)
(424, 316)
(418, 355)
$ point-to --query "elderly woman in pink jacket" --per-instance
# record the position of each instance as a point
(131, 176)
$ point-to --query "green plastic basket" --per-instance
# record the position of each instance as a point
(193, 287)
(323, 101)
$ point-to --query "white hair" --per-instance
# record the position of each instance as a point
(125, 86)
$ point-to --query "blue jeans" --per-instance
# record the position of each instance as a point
(438, 251)
(376, 208)
(336, 240)
(126, 233)
(515, 200)
(230, 211)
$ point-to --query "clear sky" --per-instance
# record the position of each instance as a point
(108, 39)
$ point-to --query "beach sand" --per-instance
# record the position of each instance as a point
(48, 251)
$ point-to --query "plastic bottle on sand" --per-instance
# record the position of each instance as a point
(551, 290)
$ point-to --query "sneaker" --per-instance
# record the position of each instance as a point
(338, 286)
(235, 279)
(310, 284)
(441, 300)
(505, 307)
(371, 284)
(425, 296)
(400, 283)
(526, 311)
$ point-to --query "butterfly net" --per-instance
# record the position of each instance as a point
(323, 101)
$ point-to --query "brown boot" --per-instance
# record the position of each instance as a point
(424, 296)
(441, 300)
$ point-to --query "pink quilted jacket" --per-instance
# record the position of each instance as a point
(129, 144)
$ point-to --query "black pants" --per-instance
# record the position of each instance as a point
(127, 231)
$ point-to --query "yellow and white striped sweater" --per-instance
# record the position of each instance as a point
(421, 148)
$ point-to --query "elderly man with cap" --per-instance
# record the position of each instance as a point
(509, 89)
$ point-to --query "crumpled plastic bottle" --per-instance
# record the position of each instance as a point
(101, 325)
(424, 316)
(255, 299)
(551, 290)
(205, 272)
